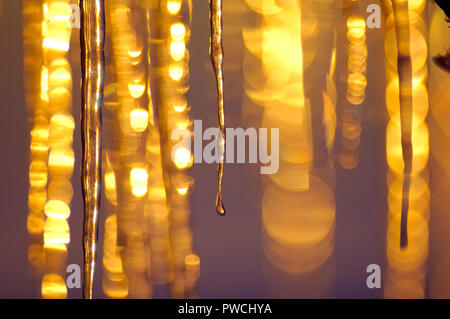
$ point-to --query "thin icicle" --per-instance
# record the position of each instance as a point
(92, 39)
(404, 68)
(216, 54)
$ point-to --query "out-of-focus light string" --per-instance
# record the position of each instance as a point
(52, 157)
(356, 87)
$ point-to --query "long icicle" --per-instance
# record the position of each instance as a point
(92, 39)
(216, 54)
(404, 68)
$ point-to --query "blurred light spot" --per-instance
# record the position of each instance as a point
(180, 107)
(139, 120)
(138, 180)
(38, 173)
(173, 6)
(182, 190)
(56, 44)
(134, 54)
(176, 71)
(53, 287)
(57, 209)
(56, 234)
(356, 27)
(177, 50)
(177, 31)
(61, 159)
(182, 157)
(136, 89)
(300, 218)
(192, 260)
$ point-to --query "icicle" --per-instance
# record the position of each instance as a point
(216, 54)
(404, 69)
(92, 41)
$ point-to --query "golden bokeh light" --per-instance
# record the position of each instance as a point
(182, 157)
(53, 287)
(138, 180)
(139, 120)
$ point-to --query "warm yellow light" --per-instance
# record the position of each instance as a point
(182, 157)
(35, 222)
(57, 43)
(61, 159)
(61, 131)
(192, 260)
(179, 107)
(356, 27)
(285, 223)
(56, 234)
(357, 81)
(110, 186)
(134, 54)
(183, 123)
(111, 258)
(138, 180)
(177, 31)
(38, 173)
(115, 286)
(44, 84)
(58, 11)
(65, 120)
(39, 140)
(136, 89)
(182, 190)
(157, 193)
(110, 181)
(177, 50)
(175, 71)
(173, 6)
(57, 209)
(139, 120)
(60, 76)
(53, 287)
